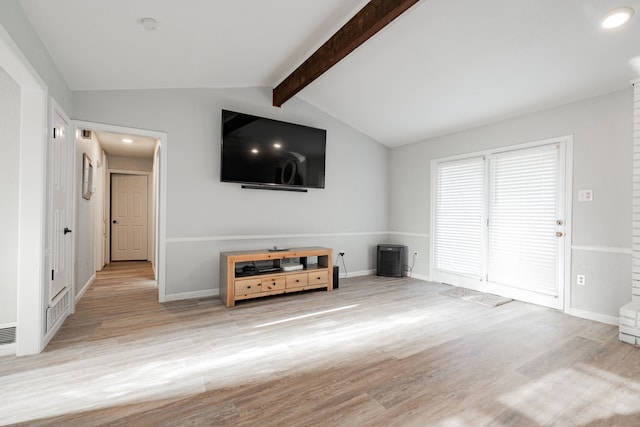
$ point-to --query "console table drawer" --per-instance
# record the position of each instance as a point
(248, 286)
(297, 280)
(318, 277)
(273, 284)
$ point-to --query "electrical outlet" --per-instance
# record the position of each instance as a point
(581, 280)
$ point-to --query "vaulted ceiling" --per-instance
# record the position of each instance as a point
(443, 66)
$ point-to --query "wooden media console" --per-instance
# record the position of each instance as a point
(255, 274)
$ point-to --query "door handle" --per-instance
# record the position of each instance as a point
(67, 230)
(559, 234)
(115, 222)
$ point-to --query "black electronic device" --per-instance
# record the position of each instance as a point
(391, 260)
(271, 153)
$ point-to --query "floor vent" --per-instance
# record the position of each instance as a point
(7, 335)
(57, 310)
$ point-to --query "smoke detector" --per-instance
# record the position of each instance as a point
(149, 24)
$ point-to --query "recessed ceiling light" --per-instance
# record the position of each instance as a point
(149, 24)
(255, 151)
(277, 145)
(616, 18)
(127, 140)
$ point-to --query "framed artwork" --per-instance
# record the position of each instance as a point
(87, 176)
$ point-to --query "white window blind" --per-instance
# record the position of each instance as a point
(458, 219)
(523, 206)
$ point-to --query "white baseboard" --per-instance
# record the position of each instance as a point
(420, 277)
(357, 273)
(597, 317)
(85, 287)
(374, 271)
(8, 349)
(191, 295)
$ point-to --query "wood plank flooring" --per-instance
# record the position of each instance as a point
(376, 352)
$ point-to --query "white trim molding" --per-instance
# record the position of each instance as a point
(408, 234)
(8, 349)
(271, 236)
(596, 317)
(192, 295)
(420, 277)
(31, 198)
(86, 286)
(351, 274)
(605, 249)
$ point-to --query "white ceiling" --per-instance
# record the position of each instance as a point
(443, 66)
(113, 144)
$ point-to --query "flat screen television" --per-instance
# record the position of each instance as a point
(271, 153)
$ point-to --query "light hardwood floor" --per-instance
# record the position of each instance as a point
(376, 352)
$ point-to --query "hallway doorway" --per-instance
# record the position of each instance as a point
(134, 153)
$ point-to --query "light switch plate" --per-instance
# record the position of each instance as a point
(585, 195)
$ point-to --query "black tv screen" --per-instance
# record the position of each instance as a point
(257, 150)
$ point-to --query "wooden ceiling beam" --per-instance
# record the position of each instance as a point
(376, 15)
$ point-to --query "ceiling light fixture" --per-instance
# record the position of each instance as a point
(616, 18)
(149, 24)
(127, 140)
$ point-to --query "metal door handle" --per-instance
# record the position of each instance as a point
(115, 222)
(67, 230)
(559, 234)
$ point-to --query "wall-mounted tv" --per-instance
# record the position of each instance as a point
(271, 153)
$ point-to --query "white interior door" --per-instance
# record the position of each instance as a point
(61, 155)
(129, 219)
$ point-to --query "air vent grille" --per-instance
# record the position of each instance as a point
(8, 335)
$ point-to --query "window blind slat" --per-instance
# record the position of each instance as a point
(522, 250)
(459, 213)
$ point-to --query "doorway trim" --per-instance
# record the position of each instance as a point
(161, 221)
(32, 194)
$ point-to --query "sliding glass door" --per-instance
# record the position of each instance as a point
(498, 223)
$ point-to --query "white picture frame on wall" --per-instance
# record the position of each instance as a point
(87, 176)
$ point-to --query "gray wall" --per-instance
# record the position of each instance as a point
(205, 216)
(87, 215)
(130, 163)
(16, 23)
(9, 161)
(602, 161)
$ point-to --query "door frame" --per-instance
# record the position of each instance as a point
(32, 190)
(150, 223)
(160, 192)
(567, 164)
